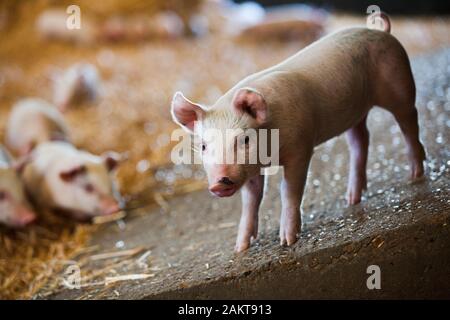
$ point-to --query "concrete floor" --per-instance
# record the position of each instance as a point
(401, 227)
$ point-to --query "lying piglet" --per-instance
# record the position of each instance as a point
(52, 24)
(14, 208)
(33, 121)
(60, 177)
(322, 91)
(134, 28)
(283, 30)
(78, 84)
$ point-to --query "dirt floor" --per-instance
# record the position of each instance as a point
(132, 116)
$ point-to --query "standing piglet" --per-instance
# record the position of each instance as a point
(14, 208)
(322, 91)
(58, 176)
(33, 121)
(79, 83)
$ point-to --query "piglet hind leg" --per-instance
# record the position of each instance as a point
(405, 113)
(407, 119)
(358, 143)
(398, 95)
(292, 187)
(252, 193)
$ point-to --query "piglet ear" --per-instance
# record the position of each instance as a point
(111, 160)
(20, 164)
(186, 113)
(251, 102)
(71, 174)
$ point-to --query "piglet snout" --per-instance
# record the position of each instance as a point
(109, 206)
(23, 216)
(227, 181)
(225, 187)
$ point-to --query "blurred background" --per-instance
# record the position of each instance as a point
(417, 7)
(144, 51)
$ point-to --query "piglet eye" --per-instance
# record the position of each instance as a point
(2, 195)
(89, 188)
(203, 147)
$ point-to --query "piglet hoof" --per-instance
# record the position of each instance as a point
(417, 171)
(417, 179)
(291, 239)
(289, 235)
(288, 240)
(357, 184)
(242, 245)
(353, 197)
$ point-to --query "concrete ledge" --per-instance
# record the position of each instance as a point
(195, 258)
(414, 263)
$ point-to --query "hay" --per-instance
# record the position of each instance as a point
(127, 277)
(106, 219)
(117, 254)
(28, 258)
(105, 268)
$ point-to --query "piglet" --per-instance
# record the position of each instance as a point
(78, 84)
(322, 91)
(33, 121)
(60, 177)
(135, 28)
(14, 207)
(283, 30)
(52, 24)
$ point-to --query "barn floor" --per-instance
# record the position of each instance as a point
(183, 246)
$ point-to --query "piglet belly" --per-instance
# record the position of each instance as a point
(332, 124)
(339, 103)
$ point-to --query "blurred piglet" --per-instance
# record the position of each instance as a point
(297, 22)
(58, 176)
(51, 24)
(33, 121)
(134, 28)
(14, 208)
(77, 84)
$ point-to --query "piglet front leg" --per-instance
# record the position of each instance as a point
(292, 186)
(252, 193)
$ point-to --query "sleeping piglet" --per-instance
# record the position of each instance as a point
(58, 176)
(33, 121)
(322, 91)
(14, 207)
(52, 24)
